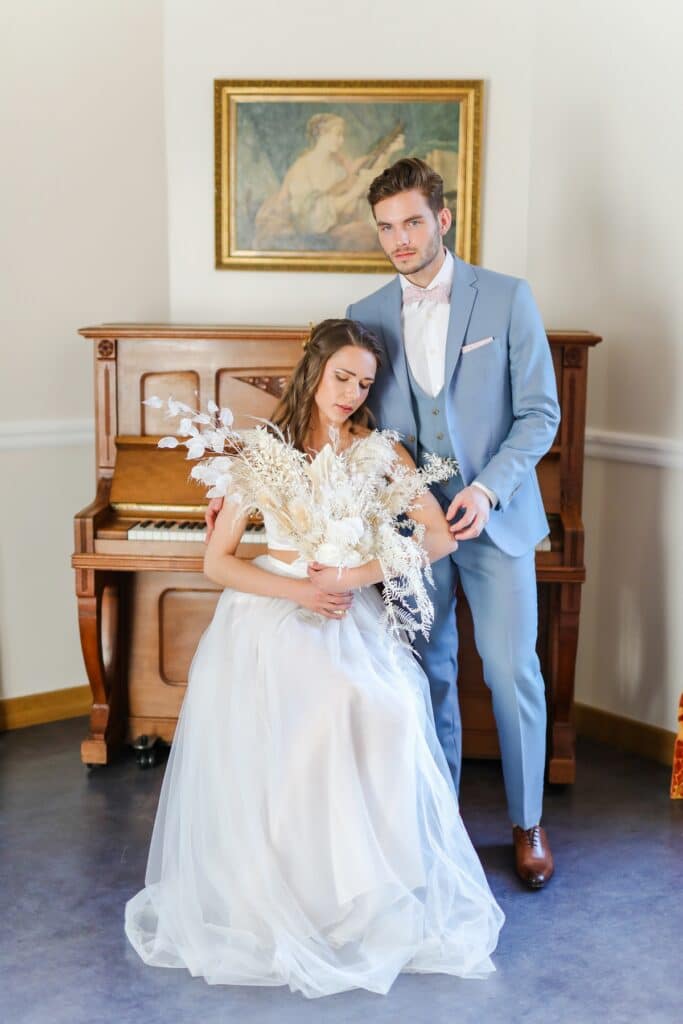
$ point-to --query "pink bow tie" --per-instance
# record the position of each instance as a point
(439, 293)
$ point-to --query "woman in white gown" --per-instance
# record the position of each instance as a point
(308, 831)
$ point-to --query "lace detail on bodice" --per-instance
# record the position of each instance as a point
(276, 540)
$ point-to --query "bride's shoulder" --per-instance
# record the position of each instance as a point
(404, 455)
(383, 442)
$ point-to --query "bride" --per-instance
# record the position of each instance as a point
(308, 832)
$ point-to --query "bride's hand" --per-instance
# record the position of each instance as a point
(211, 515)
(332, 606)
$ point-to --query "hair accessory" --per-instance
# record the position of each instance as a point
(307, 341)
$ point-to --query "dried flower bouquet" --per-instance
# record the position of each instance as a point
(341, 508)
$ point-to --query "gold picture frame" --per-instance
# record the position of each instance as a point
(293, 160)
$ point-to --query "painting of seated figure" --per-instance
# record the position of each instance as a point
(293, 168)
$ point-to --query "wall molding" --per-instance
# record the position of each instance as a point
(645, 449)
(39, 708)
(617, 446)
(627, 734)
(17, 435)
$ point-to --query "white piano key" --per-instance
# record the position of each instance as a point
(176, 530)
(157, 530)
(254, 536)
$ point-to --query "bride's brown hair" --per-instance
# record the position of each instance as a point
(293, 412)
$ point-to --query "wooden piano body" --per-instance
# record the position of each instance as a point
(143, 603)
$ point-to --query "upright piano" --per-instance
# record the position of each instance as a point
(143, 601)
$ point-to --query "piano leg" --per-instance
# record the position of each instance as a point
(561, 760)
(100, 620)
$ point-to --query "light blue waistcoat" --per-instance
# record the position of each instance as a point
(432, 432)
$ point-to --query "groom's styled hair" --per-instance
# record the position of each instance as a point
(408, 173)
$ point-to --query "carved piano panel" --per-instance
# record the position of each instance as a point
(182, 385)
(249, 395)
(177, 606)
(139, 547)
(143, 602)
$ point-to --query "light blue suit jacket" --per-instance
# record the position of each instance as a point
(501, 396)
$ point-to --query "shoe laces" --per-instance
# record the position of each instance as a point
(533, 836)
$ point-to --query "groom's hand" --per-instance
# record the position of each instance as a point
(474, 517)
(211, 515)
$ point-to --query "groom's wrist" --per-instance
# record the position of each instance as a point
(493, 498)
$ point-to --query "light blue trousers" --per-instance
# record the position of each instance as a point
(501, 592)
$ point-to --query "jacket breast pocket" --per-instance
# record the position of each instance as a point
(474, 346)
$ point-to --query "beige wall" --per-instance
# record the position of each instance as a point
(631, 643)
(84, 239)
(605, 251)
(582, 164)
(309, 39)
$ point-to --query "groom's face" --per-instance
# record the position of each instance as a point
(409, 232)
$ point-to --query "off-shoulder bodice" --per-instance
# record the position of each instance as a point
(276, 539)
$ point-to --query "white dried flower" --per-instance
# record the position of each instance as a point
(343, 508)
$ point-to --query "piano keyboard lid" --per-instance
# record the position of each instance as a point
(151, 482)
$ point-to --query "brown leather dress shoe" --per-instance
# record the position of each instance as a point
(533, 859)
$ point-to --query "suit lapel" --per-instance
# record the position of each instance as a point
(463, 295)
(393, 339)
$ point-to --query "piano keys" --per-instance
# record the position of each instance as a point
(167, 530)
(139, 546)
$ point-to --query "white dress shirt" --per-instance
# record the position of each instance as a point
(425, 329)
(425, 332)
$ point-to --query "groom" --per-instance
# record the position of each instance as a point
(468, 372)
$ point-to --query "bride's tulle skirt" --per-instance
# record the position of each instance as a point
(308, 832)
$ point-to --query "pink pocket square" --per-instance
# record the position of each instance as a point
(477, 344)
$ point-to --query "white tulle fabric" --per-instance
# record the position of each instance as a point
(308, 833)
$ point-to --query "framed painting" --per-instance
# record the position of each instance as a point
(293, 162)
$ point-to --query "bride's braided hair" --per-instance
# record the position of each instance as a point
(293, 412)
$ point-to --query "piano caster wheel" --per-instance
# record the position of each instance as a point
(145, 751)
(146, 758)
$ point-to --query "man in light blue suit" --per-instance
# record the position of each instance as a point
(468, 373)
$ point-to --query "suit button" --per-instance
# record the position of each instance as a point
(411, 438)
(439, 437)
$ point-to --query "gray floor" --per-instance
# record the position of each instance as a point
(602, 943)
